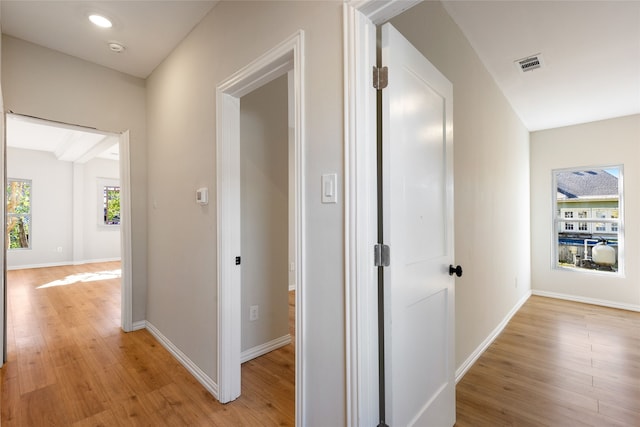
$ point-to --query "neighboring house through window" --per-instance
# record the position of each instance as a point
(588, 222)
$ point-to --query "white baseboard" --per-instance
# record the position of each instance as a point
(91, 261)
(585, 300)
(60, 264)
(45, 265)
(141, 324)
(467, 364)
(199, 375)
(265, 348)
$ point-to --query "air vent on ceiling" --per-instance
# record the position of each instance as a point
(529, 63)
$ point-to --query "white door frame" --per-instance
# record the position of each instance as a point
(126, 265)
(361, 208)
(287, 56)
(3, 252)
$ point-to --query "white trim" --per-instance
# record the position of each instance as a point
(189, 365)
(360, 18)
(380, 11)
(265, 348)
(361, 220)
(140, 324)
(467, 364)
(3, 239)
(43, 265)
(101, 183)
(586, 300)
(228, 232)
(556, 220)
(91, 261)
(126, 307)
(60, 264)
(287, 56)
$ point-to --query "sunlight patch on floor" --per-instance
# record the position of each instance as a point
(84, 277)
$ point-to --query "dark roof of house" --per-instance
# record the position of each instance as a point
(587, 183)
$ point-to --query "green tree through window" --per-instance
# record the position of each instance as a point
(18, 213)
(111, 205)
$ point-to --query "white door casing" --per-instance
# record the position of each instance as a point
(3, 253)
(126, 307)
(287, 56)
(126, 288)
(361, 217)
(417, 169)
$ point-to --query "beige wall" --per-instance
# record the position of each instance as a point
(44, 83)
(602, 143)
(182, 236)
(59, 213)
(264, 170)
(51, 204)
(491, 162)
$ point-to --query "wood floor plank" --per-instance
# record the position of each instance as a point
(103, 419)
(34, 364)
(620, 413)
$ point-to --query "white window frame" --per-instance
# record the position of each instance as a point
(29, 215)
(559, 220)
(102, 183)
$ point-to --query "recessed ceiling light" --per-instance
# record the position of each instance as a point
(100, 21)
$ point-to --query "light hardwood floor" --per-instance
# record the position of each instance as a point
(70, 365)
(557, 363)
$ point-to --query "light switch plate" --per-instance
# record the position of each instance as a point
(329, 188)
(202, 196)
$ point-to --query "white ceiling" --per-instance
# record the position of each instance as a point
(591, 49)
(591, 52)
(149, 30)
(65, 142)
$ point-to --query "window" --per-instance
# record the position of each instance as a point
(18, 213)
(588, 224)
(111, 204)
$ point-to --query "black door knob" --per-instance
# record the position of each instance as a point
(457, 270)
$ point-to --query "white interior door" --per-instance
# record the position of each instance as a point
(418, 226)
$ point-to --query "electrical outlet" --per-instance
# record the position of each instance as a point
(253, 313)
(59, 249)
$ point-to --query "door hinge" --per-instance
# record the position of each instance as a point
(237, 260)
(381, 255)
(380, 77)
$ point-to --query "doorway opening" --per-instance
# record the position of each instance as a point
(281, 65)
(78, 226)
(361, 178)
(268, 249)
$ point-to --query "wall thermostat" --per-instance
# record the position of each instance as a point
(202, 196)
